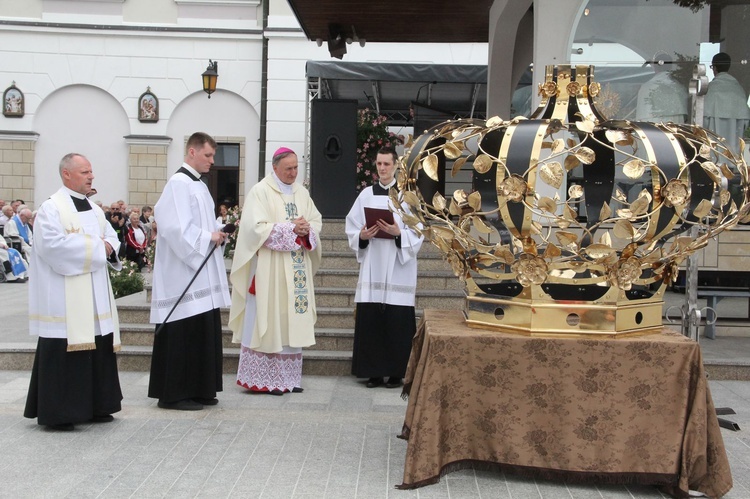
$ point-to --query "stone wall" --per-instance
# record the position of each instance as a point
(17, 152)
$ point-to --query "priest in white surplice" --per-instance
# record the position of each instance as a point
(273, 298)
(186, 365)
(385, 320)
(72, 308)
(725, 110)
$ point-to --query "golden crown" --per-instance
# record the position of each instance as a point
(575, 224)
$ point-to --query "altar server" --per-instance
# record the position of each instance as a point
(186, 365)
(72, 308)
(385, 321)
(273, 298)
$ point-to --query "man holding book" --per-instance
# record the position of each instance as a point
(387, 253)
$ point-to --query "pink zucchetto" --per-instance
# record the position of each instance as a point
(283, 150)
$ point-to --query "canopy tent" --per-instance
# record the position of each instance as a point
(458, 91)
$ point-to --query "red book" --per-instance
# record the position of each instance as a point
(372, 215)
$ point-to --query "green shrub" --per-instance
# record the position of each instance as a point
(127, 281)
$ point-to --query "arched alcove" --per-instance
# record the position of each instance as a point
(87, 120)
(227, 117)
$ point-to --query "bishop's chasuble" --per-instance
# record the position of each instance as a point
(282, 313)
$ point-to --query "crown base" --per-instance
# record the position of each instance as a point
(564, 319)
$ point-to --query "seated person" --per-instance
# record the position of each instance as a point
(136, 241)
(18, 226)
(12, 266)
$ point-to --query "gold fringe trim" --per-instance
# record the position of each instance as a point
(81, 346)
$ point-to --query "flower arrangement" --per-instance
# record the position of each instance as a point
(372, 134)
(127, 281)
(233, 217)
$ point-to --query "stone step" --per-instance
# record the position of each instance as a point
(20, 357)
(347, 260)
(347, 278)
(425, 298)
(315, 362)
(339, 242)
(326, 339)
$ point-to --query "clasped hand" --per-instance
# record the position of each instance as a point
(301, 226)
(369, 232)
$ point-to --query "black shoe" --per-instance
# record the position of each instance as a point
(181, 405)
(203, 401)
(104, 418)
(275, 392)
(61, 427)
(374, 382)
(393, 382)
(297, 389)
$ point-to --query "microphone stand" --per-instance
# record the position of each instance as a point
(229, 228)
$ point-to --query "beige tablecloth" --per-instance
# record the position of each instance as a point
(628, 410)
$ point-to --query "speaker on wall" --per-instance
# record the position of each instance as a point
(333, 156)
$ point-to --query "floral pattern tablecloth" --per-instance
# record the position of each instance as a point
(627, 410)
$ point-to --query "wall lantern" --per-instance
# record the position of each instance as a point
(210, 75)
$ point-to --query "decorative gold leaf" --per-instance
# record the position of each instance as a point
(586, 155)
(505, 254)
(481, 226)
(410, 220)
(558, 145)
(552, 251)
(457, 166)
(625, 213)
(598, 250)
(683, 242)
(726, 171)
(606, 239)
(605, 212)
(620, 196)
(712, 170)
(566, 238)
(572, 143)
(624, 229)
(585, 126)
(547, 204)
(430, 166)
(552, 174)
(536, 227)
(546, 145)
(453, 208)
(575, 191)
(652, 257)
(634, 168)
(640, 205)
(482, 163)
(475, 200)
(569, 213)
(438, 201)
(618, 137)
(571, 162)
(724, 197)
(494, 121)
(703, 208)
(705, 150)
(459, 196)
(451, 150)
(529, 246)
(411, 198)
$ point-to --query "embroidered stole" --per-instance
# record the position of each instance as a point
(79, 296)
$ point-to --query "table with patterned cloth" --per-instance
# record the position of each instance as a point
(626, 410)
